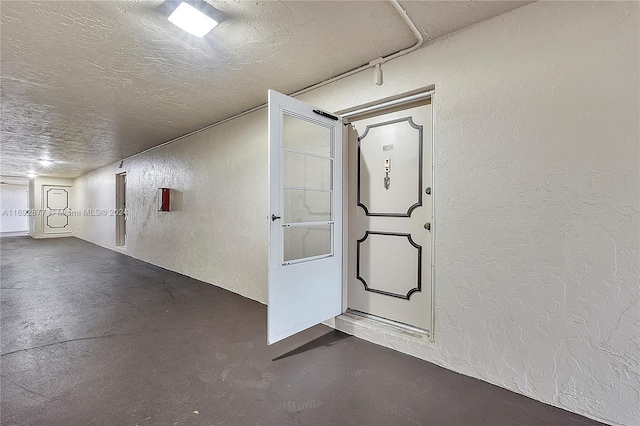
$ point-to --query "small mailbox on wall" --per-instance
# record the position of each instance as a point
(164, 199)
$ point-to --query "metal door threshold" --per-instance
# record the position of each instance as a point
(388, 321)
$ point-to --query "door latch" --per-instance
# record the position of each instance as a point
(427, 226)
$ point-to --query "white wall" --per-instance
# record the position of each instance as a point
(36, 203)
(14, 199)
(216, 231)
(536, 191)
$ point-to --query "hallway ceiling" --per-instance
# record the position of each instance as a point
(87, 83)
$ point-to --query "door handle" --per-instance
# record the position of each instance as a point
(427, 226)
(274, 218)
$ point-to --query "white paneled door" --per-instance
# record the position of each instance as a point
(305, 216)
(55, 200)
(390, 216)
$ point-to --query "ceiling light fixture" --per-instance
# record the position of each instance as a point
(31, 174)
(46, 163)
(192, 20)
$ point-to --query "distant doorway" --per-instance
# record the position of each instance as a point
(56, 205)
(121, 209)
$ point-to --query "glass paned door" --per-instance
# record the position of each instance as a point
(305, 202)
(307, 190)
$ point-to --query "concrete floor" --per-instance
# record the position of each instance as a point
(90, 336)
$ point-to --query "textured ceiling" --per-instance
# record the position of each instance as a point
(87, 83)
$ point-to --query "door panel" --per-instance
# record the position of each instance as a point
(399, 142)
(303, 136)
(389, 267)
(56, 205)
(303, 170)
(301, 242)
(305, 205)
(305, 216)
(377, 276)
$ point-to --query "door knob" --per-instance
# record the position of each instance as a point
(427, 226)
(274, 218)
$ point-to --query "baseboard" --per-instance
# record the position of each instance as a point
(14, 234)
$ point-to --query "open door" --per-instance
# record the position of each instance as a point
(305, 216)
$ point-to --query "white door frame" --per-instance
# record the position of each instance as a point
(360, 111)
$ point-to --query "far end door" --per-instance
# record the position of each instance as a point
(55, 200)
(305, 208)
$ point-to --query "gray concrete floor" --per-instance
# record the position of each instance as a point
(90, 336)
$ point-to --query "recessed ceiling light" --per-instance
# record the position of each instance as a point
(31, 175)
(192, 20)
(46, 163)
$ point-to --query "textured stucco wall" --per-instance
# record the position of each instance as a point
(13, 197)
(35, 203)
(216, 231)
(536, 191)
